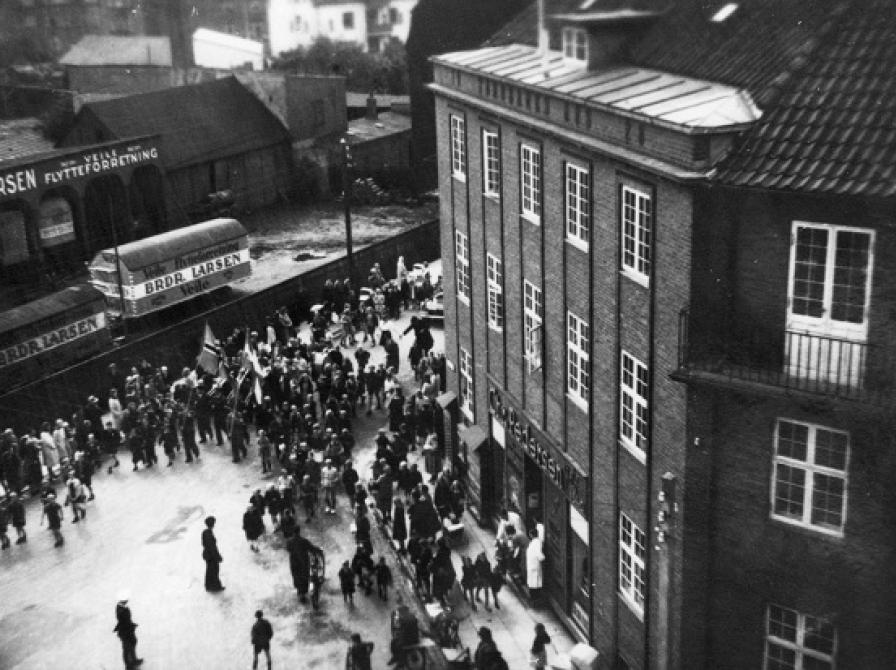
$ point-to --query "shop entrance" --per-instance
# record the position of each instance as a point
(534, 494)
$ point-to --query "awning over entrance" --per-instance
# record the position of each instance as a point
(473, 436)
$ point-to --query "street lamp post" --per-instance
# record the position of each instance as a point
(346, 201)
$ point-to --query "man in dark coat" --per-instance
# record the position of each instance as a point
(16, 512)
(211, 556)
(262, 632)
(253, 526)
(300, 551)
(127, 632)
(238, 436)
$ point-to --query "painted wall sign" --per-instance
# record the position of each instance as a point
(57, 224)
(53, 339)
(553, 462)
(55, 172)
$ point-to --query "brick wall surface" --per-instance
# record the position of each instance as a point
(758, 560)
(589, 284)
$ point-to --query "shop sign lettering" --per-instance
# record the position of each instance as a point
(75, 167)
(203, 257)
(552, 462)
(182, 277)
(51, 340)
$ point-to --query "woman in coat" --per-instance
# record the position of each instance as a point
(384, 494)
(253, 526)
(399, 525)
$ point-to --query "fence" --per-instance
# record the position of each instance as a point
(62, 393)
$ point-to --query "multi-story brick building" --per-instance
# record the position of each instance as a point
(668, 320)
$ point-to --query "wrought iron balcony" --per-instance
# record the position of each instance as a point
(785, 359)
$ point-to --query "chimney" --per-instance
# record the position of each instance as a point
(542, 28)
(371, 108)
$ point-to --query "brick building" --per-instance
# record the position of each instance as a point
(668, 324)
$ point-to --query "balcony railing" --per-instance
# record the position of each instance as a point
(798, 361)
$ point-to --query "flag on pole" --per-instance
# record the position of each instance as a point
(259, 395)
(210, 354)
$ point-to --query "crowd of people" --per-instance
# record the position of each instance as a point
(302, 398)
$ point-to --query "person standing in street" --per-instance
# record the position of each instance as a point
(262, 632)
(539, 648)
(211, 556)
(17, 516)
(358, 656)
(4, 524)
(383, 578)
(53, 513)
(347, 583)
(127, 632)
(253, 526)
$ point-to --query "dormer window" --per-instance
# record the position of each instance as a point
(575, 44)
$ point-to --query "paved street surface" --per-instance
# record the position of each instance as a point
(142, 534)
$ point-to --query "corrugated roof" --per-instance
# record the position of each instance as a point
(821, 72)
(173, 244)
(119, 50)
(661, 96)
(39, 309)
(832, 129)
(197, 123)
(21, 138)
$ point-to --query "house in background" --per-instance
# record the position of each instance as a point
(669, 320)
(368, 23)
(221, 139)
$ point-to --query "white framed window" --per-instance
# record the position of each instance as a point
(578, 205)
(797, 641)
(830, 275)
(633, 414)
(458, 147)
(533, 317)
(809, 477)
(577, 374)
(632, 553)
(462, 265)
(491, 164)
(637, 231)
(466, 383)
(575, 44)
(530, 182)
(495, 281)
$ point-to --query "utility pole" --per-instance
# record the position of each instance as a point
(347, 202)
(124, 323)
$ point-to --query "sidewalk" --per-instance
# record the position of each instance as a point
(513, 625)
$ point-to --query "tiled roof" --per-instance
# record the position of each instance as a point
(821, 72)
(21, 138)
(666, 98)
(197, 123)
(119, 50)
(833, 127)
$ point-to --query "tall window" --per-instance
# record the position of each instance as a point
(796, 641)
(830, 269)
(632, 552)
(348, 20)
(809, 487)
(530, 182)
(578, 377)
(578, 204)
(533, 315)
(495, 281)
(466, 382)
(458, 147)
(462, 265)
(637, 227)
(575, 44)
(633, 415)
(491, 163)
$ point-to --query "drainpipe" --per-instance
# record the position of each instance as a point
(542, 30)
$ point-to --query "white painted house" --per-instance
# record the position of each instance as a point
(368, 23)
